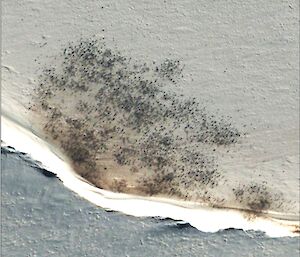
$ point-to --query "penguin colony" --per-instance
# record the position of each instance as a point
(125, 129)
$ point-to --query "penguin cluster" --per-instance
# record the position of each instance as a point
(105, 110)
(258, 197)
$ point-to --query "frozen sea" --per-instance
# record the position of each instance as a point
(40, 217)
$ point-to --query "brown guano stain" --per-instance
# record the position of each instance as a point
(122, 126)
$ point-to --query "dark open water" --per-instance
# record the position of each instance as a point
(40, 217)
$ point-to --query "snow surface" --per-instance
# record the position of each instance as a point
(241, 59)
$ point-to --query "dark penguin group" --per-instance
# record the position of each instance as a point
(105, 110)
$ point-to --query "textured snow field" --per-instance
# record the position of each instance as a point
(42, 218)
